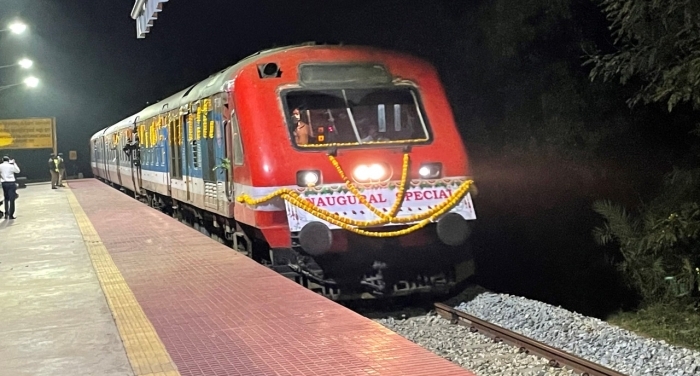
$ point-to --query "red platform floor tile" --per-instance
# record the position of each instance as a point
(219, 313)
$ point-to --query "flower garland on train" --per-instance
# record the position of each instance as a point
(353, 225)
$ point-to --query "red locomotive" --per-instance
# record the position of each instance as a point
(338, 166)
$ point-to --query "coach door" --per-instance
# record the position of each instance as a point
(187, 135)
(165, 134)
(175, 161)
(180, 161)
(104, 156)
(213, 149)
(134, 156)
(116, 141)
(235, 150)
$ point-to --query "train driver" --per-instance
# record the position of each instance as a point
(302, 131)
(373, 135)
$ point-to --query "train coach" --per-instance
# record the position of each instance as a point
(340, 167)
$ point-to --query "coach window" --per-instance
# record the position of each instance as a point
(195, 154)
(237, 142)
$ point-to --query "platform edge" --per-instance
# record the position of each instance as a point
(145, 350)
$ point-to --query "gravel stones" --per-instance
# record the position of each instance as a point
(472, 351)
(587, 337)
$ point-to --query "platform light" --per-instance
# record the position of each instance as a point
(18, 27)
(31, 81)
(25, 63)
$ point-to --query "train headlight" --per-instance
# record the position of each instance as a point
(377, 172)
(361, 173)
(308, 178)
(373, 172)
(430, 170)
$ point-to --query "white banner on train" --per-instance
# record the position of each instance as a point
(338, 199)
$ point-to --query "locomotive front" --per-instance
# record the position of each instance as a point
(380, 197)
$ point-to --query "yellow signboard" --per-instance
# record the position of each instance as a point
(33, 133)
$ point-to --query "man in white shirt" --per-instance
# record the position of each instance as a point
(8, 169)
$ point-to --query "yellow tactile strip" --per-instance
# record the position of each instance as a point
(145, 350)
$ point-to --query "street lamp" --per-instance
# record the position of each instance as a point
(24, 63)
(16, 27)
(30, 81)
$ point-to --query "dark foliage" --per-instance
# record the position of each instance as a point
(659, 246)
(657, 43)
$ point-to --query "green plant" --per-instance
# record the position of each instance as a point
(678, 324)
(659, 246)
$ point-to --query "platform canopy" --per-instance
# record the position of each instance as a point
(145, 12)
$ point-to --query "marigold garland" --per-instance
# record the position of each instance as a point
(402, 187)
(353, 225)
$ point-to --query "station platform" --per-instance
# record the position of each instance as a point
(92, 282)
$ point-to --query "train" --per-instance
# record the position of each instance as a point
(340, 167)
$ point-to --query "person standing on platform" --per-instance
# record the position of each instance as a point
(61, 170)
(8, 169)
(53, 169)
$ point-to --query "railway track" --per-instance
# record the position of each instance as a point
(556, 357)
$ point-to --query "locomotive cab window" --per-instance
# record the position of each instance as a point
(355, 116)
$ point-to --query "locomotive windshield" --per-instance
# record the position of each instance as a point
(346, 117)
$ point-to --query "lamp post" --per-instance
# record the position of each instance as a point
(24, 63)
(30, 81)
(16, 27)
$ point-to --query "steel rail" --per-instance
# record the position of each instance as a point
(557, 357)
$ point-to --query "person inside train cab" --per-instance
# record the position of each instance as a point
(302, 131)
(374, 135)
